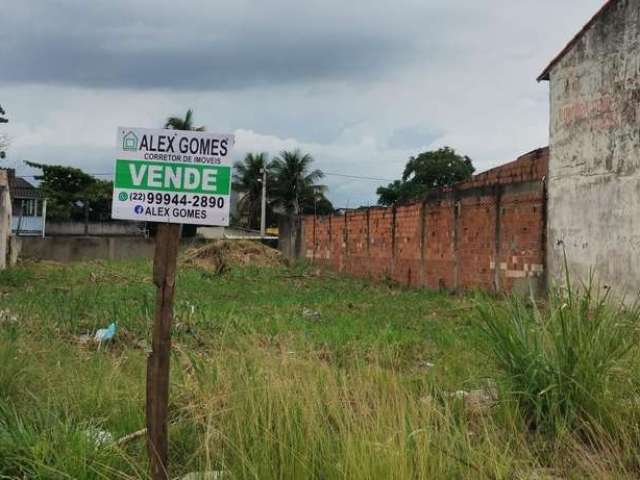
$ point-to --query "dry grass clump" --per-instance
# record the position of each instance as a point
(220, 255)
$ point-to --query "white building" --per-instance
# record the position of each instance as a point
(29, 208)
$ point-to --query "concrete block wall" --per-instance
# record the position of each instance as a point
(487, 233)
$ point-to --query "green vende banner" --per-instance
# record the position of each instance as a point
(172, 177)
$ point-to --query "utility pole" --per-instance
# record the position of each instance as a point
(263, 206)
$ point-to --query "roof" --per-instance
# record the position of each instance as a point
(545, 74)
(20, 188)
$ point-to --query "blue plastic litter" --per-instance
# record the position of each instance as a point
(105, 334)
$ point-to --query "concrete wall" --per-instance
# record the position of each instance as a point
(5, 219)
(487, 233)
(71, 249)
(95, 228)
(218, 233)
(594, 170)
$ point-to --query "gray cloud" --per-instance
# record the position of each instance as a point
(198, 45)
(361, 85)
(412, 137)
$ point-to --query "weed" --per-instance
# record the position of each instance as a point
(258, 390)
(15, 278)
(568, 364)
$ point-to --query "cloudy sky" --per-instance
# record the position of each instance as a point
(361, 85)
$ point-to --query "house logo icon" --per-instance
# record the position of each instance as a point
(130, 142)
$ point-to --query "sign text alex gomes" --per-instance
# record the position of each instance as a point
(198, 147)
(172, 176)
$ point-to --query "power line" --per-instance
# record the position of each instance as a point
(88, 173)
(357, 177)
(332, 174)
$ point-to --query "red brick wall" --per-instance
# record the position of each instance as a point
(439, 260)
(380, 242)
(485, 233)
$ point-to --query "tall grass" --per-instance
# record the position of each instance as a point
(363, 390)
(266, 414)
(568, 364)
(258, 390)
(253, 410)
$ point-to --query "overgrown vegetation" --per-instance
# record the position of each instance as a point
(425, 173)
(73, 194)
(288, 372)
(567, 365)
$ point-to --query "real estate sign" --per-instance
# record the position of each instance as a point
(172, 176)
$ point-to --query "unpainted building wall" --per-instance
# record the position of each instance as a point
(487, 233)
(594, 185)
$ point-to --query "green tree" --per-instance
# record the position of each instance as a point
(99, 196)
(438, 168)
(400, 192)
(294, 183)
(426, 172)
(318, 204)
(71, 193)
(390, 194)
(247, 178)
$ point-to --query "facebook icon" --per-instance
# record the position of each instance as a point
(138, 209)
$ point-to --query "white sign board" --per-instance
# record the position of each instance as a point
(172, 176)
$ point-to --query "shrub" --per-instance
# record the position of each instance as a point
(566, 365)
(13, 277)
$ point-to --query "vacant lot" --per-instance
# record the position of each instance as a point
(278, 372)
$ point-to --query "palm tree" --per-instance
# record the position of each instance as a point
(247, 179)
(186, 123)
(293, 182)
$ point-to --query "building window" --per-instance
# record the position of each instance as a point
(27, 207)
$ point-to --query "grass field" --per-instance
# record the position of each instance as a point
(289, 373)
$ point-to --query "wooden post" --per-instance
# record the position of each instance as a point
(164, 277)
